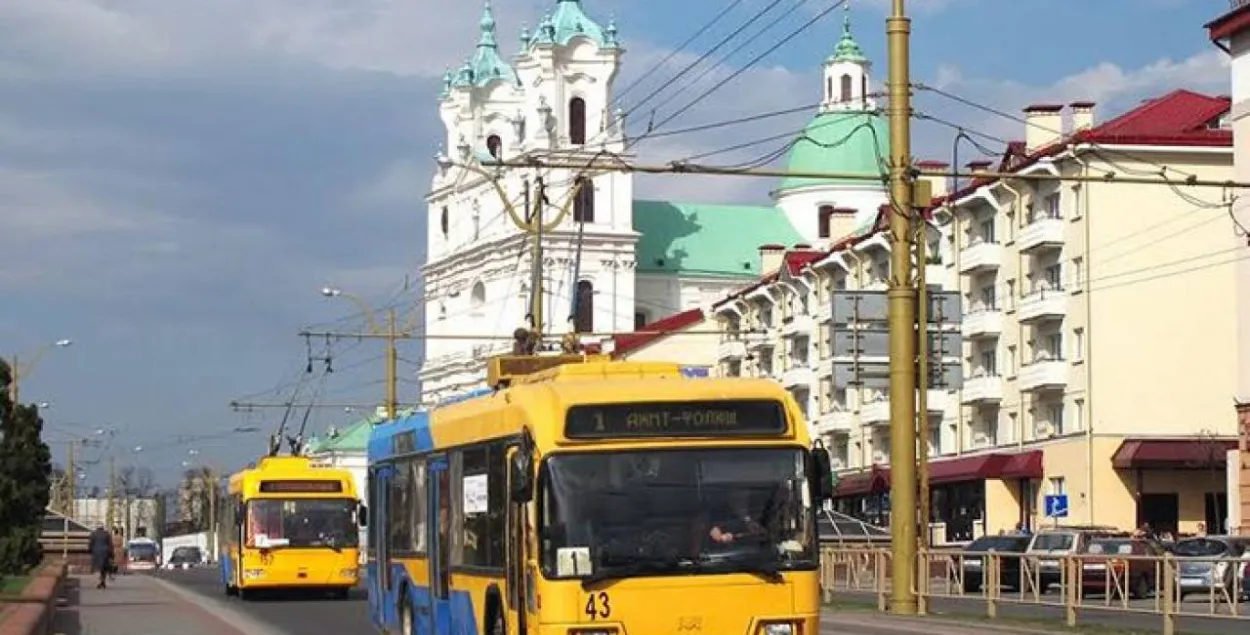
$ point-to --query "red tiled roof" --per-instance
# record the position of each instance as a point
(1180, 118)
(1229, 24)
(796, 260)
(655, 331)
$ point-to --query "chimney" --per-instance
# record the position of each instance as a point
(937, 184)
(1082, 115)
(770, 258)
(979, 167)
(1043, 126)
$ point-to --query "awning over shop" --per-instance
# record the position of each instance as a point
(1172, 454)
(955, 470)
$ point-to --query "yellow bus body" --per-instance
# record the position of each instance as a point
(714, 604)
(247, 567)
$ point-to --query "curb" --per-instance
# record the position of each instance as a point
(926, 624)
(218, 609)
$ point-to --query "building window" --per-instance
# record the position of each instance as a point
(584, 316)
(985, 232)
(477, 298)
(577, 121)
(1054, 413)
(1057, 486)
(1078, 412)
(846, 88)
(1077, 270)
(584, 201)
(444, 223)
(1078, 344)
(494, 146)
(1050, 206)
(640, 320)
(829, 88)
(825, 215)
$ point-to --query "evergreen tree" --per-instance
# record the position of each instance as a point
(25, 470)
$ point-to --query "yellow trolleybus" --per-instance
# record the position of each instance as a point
(597, 498)
(289, 524)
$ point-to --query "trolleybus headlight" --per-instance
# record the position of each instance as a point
(777, 628)
(347, 573)
(253, 573)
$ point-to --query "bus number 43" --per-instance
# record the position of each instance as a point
(597, 606)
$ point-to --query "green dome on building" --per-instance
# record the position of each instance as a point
(849, 135)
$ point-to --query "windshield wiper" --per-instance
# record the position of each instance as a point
(762, 564)
(633, 567)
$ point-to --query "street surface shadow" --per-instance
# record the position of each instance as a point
(66, 619)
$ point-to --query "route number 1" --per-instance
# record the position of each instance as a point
(597, 606)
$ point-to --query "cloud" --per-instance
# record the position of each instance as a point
(1114, 88)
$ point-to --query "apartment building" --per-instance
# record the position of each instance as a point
(1100, 316)
(1231, 33)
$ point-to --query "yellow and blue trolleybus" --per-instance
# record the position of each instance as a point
(597, 498)
(287, 524)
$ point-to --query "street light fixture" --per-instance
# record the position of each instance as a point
(331, 292)
(19, 370)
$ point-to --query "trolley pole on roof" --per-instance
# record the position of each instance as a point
(901, 322)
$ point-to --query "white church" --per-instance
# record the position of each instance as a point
(612, 263)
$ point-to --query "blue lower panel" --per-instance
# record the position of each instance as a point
(455, 615)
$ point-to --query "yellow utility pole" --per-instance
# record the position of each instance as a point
(902, 322)
(71, 473)
(212, 512)
(111, 514)
(392, 368)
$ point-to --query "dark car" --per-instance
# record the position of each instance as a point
(184, 558)
(1009, 548)
(1114, 565)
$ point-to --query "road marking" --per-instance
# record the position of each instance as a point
(237, 619)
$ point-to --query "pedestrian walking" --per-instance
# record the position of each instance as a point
(101, 546)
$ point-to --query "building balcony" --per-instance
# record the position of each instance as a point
(754, 341)
(982, 322)
(1051, 374)
(981, 256)
(798, 325)
(1043, 233)
(800, 375)
(834, 421)
(731, 349)
(875, 413)
(1051, 304)
(985, 389)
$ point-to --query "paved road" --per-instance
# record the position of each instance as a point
(326, 616)
(297, 615)
(1053, 613)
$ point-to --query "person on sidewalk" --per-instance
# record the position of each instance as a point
(101, 546)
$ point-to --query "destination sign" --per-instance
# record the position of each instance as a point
(752, 417)
(301, 487)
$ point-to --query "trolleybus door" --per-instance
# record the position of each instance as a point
(515, 555)
(379, 519)
(440, 489)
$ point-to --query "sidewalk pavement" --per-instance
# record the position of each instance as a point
(144, 604)
(874, 623)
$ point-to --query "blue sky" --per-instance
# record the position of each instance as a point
(179, 179)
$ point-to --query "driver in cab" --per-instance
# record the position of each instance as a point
(734, 522)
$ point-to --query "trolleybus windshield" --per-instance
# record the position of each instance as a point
(304, 522)
(655, 512)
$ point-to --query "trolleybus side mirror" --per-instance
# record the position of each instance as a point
(822, 474)
(362, 515)
(521, 478)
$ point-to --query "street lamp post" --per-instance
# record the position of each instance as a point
(19, 369)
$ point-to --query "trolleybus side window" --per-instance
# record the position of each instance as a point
(399, 501)
(417, 502)
(483, 503)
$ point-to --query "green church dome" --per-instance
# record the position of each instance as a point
(845, 141)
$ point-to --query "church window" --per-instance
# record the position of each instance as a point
(825, 228)
(444, 222)
(584, 317)
(829, 88)
(577, 121)
(477, 298)
(494, 146)
(846, 88)
(584, 203)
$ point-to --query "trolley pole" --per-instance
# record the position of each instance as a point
(536, 287)
(902, 322)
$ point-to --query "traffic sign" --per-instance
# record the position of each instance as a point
(1056, 505)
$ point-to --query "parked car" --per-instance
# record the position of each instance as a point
(1009, 548)
(1050, 546)
(1209, 563)
(185, 558)
(1102, 572)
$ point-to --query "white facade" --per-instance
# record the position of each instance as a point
(550, 100)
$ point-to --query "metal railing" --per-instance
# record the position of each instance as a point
(1167, 586)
